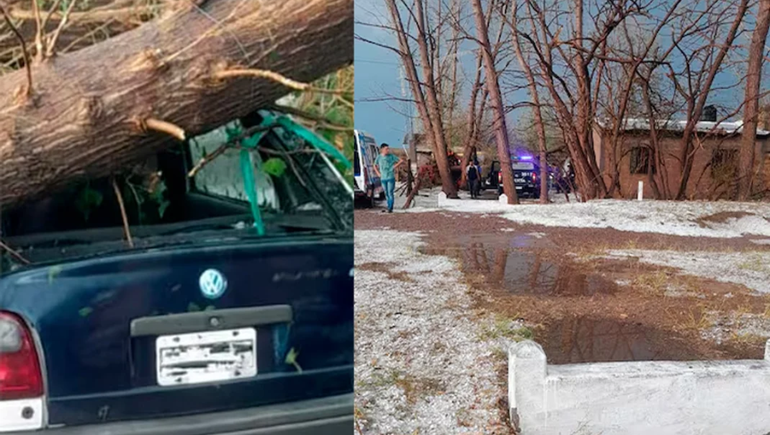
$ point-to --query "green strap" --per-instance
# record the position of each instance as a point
(313, 139)
(249, 184)
(247, 163)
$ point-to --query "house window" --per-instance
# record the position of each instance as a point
(641, 160)
(724, 164)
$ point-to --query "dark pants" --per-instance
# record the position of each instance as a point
(390, 187)
(473, 187)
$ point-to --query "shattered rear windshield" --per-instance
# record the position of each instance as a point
(191, 193)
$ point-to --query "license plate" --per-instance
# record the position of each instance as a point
(519, 180)
(518, 187)
(201, 357)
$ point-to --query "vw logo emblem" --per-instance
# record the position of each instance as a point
(213, 284)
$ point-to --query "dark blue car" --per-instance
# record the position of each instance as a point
(200, 326)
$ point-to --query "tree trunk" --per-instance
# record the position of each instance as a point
(469, 144)
(88, 110)
(536, 109)
(688, 149)
(492, 85)
(435, 135)
(748, 167)
(434, 106)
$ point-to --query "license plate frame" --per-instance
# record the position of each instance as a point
(205, 357)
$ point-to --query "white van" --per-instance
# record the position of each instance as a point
(368, 186)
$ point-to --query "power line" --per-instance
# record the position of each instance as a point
(375, 61)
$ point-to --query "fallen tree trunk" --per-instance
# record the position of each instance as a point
(93, 111)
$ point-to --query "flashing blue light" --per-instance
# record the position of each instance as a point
(525, 157)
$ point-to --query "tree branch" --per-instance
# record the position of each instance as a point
(278, 78)
(13, 253)
(306, 115)
(27, 64)
(123, 214)
(164, 127)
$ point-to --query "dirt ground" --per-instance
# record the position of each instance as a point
(584, 294)
(583, 307)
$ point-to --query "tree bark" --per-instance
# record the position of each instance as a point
(88, 111)
(469, 145)
(426, 106)
(748, 167)
(536, 109)
(496, 100)
(433, 105)
(697, 106)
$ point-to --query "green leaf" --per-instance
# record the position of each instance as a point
(162, 208)
(338, 116)
(88, 200)
(291, 359)
(159, 189)
(274, 166)
(233, 132)
(53, 272)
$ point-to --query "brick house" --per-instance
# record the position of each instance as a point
(714, 164)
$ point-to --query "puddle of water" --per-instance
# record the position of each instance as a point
(581, 339)
(521, 272)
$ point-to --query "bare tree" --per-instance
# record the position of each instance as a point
(592, 66)
(748, 167)
(567, 68)
(697, 96)
(496, 99)
(536, 107)
(424, 91)
(473, 120)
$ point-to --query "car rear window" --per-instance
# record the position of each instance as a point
(171, 196)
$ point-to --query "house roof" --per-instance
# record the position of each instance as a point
(723, 128)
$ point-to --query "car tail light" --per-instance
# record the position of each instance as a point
(534, 177)
(20, 374)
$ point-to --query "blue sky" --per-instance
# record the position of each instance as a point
(377, 73)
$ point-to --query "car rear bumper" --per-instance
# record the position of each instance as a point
(326, 416)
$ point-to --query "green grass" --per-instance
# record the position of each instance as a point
(501, 328)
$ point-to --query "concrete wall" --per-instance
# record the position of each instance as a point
(637, 398)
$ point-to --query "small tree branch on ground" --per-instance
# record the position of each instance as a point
(123, 214)
(13, 253)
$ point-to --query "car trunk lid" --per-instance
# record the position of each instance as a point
(99, 323)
